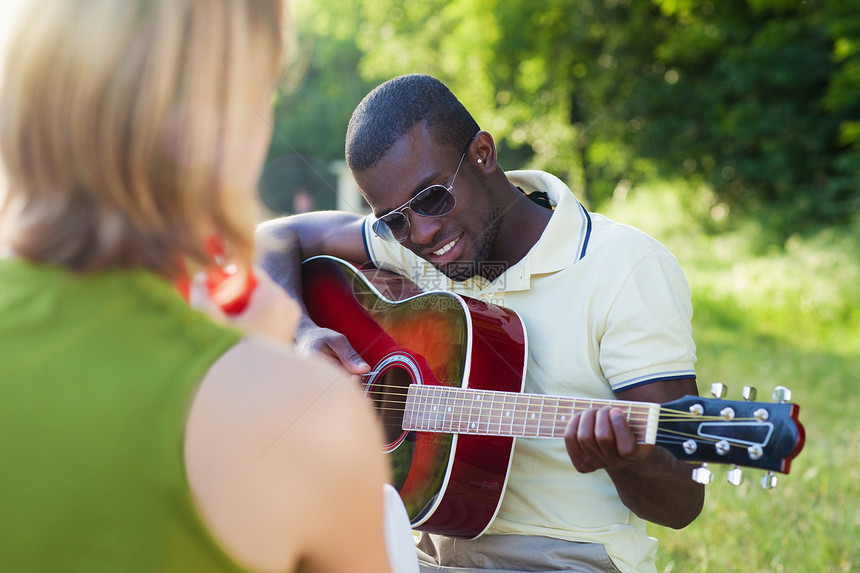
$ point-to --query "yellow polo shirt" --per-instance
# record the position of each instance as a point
(605, 308)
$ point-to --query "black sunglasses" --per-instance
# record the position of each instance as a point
(434, 201)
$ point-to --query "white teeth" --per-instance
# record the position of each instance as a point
(445, 249)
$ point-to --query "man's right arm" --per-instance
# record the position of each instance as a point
(285, 242)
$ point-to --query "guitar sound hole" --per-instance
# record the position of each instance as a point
(388, 394)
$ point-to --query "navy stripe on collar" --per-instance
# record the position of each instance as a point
(587, 235)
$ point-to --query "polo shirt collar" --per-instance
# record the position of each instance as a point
(563, 242)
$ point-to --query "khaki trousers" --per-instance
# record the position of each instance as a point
(509, 553)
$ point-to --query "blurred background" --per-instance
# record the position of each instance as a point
(728, 129)
(758, 100)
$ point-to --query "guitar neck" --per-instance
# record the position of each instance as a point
(491, 413)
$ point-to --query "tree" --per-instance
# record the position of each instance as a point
(758, 98)
(742, 103)
(738, 93)
(313, 104)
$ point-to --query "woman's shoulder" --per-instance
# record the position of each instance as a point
(269, 436)
(287, 393)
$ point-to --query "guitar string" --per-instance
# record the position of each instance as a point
(663, 437)
(462, 427)
(643, 409)
(638, 420)
(463, 397)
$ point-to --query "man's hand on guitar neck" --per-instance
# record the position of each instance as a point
(650, 481)
(602, 439)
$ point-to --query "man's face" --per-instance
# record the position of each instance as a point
(455, 243)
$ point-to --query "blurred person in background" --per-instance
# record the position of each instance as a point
(139, 434)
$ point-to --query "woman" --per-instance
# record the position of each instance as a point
(137, 433)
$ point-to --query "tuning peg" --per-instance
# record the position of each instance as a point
(768, 481)
(781, 394)
(718, 389)
(748, 393)
(755, 451)
(734, 476)
(703, 475)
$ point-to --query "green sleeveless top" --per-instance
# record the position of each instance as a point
(96, 377)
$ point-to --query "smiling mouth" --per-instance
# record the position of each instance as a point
(446, 248)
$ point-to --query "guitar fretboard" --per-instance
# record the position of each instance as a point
(491, 413)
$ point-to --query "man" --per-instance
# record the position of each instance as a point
(606, 308)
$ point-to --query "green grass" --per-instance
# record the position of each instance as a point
(766, 317)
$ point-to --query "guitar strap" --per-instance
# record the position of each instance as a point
(539, 197)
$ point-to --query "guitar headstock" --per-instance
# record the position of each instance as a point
(764, 435)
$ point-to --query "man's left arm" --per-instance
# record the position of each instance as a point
(650, 481)
(648, 335)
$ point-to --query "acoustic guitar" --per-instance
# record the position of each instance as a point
(447, 384)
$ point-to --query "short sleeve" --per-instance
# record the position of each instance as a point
(648, 335)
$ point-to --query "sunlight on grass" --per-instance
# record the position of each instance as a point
(789, 317)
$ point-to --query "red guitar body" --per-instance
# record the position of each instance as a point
(451, 484)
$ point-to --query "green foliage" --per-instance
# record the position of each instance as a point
(313, 105)
(536, 78)
(759, 99)
(746, 109)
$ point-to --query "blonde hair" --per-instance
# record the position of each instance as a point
(125, 125)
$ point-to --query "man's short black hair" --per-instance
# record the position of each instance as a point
(393, 108)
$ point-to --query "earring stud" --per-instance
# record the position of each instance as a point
(480, 160)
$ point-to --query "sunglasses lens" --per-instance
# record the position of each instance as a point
(392, 227)
(434, 201)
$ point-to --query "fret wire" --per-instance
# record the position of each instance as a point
(528, 417)
(428, 416)
(446, 415)
(506, 411)
(426, 409)
(470, 423)
(540, 417)
(484, 419)
(526, 413)
(545, 404)
(420, 411)
(460, 413)
(515, 410)
(428, 406)
(443, 419)
(416, 412)
(428, 400)
(422, 415)
(413, 412)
